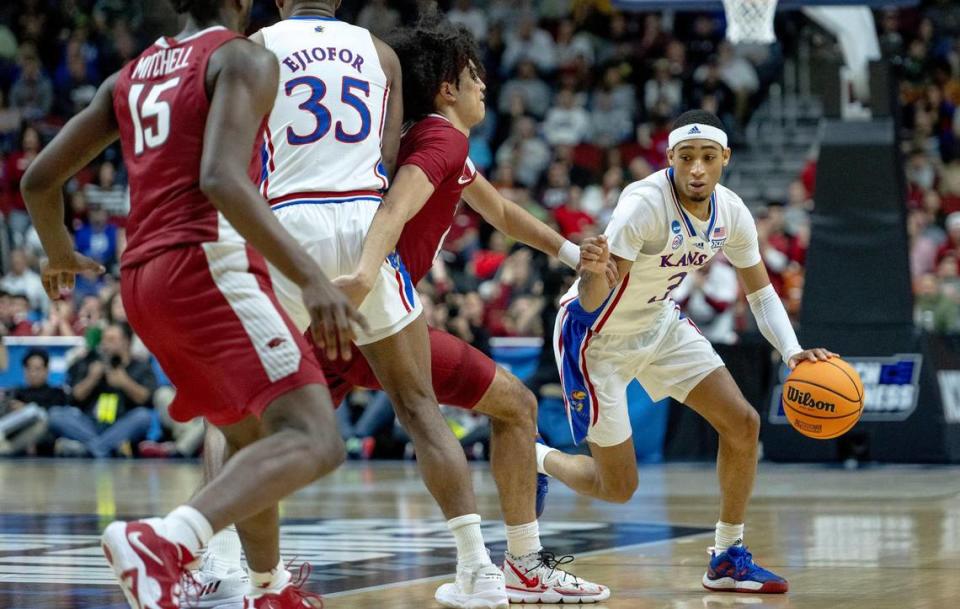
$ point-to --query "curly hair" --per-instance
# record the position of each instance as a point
(201, 10)
(432, 53)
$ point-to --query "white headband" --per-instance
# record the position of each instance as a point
(697, 131)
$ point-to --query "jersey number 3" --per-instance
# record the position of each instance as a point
(318, 89)
(152, 107)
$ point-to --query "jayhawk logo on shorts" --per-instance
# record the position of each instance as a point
(577, 398)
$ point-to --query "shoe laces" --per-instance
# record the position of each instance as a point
(303, 574)
(190, 590)
(742, 560)
(552, 562)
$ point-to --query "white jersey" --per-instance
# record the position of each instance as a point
(650, 226)
(324, 133)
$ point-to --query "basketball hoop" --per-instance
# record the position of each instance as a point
(750, 21)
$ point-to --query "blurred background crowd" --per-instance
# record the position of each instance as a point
(579, 104)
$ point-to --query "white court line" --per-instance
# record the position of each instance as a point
(423, 580)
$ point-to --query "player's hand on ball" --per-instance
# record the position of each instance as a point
(59, 276)
(331, 315)
(811, 355)
(594, 255)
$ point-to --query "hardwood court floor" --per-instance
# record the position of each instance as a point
(876, 538)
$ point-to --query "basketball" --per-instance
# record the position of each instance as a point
(823, 400)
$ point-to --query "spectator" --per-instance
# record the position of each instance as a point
(531, 91)
(571, 219)
(610, 124)
(528, 154)
(106, 193)
(951, 245)
(599, 199)
(663, 88)
(60, 320)
(111, 392)
(566, 122)
(32, 93)
(98, 240)
(25, 423)
(22, 280)
(529, 43)
(470, 17)
(379, 18)
(17, 163)
(572, 46)
(75, 85)
(18, 321)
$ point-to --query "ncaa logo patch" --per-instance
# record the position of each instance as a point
(677, 241)
(675, 227)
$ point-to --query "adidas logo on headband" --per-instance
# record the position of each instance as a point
(697, 131)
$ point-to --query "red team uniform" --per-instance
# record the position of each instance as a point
(461, 373)
(197, 295)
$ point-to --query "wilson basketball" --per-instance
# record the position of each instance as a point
(823, 400)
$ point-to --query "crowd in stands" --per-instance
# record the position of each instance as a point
(579, 104)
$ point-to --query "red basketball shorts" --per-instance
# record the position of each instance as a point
(209, 316)
(461, 373)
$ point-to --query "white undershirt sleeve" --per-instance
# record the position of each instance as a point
(773, 322)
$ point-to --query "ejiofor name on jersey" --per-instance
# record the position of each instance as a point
(298, 60)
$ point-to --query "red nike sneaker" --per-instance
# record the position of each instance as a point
(537, 578)
(150, 568)
(291, 596)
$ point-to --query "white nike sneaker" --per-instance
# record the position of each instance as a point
(537, 578)
(478, 588)
(218, 586)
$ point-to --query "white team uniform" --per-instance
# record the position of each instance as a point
(639, 332)
(321, 163)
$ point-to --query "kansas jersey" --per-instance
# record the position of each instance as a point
(160, 101)
(324, 133)
(666, 243)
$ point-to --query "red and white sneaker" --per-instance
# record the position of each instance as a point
(537, 578)
(290, 596)
(151, 569)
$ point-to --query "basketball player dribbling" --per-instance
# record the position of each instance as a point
(664, 227)
(187, 112)
(330, 143)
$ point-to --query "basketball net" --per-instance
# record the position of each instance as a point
(750, 21)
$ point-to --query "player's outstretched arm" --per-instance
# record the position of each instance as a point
(406, 197)
(517, 223)
(772, 318)
(79, 142)
(244, 82)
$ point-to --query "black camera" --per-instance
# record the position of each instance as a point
(116, 361)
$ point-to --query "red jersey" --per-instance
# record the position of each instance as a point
(440, 150)
(161, 105)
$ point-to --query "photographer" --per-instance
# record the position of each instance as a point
(111, 391)
(24, 421)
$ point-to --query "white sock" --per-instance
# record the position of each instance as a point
(225, 548)
(470, 549)
(274, 579)
(727, 535)
(523, 539)
(189, 528)
(542, 452)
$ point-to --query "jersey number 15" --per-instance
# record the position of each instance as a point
(152, 107)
